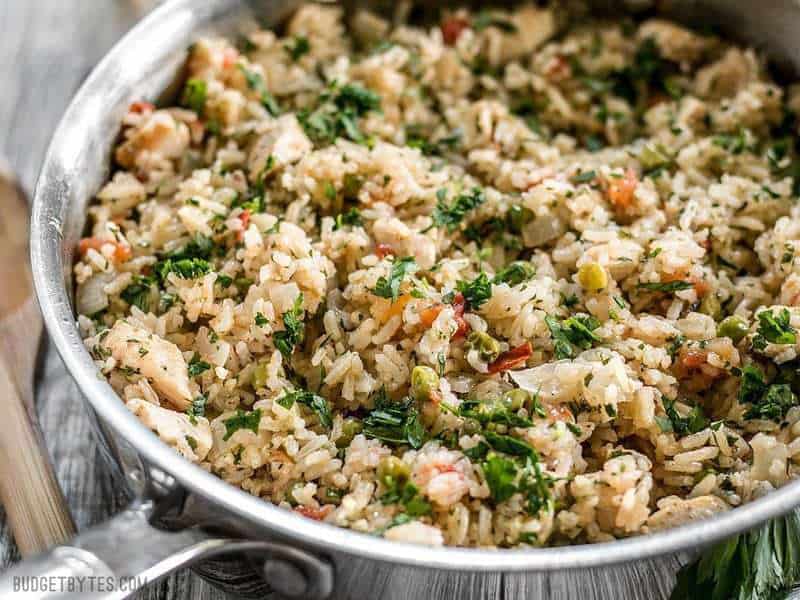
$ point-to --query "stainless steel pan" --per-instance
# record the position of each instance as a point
(180, 514)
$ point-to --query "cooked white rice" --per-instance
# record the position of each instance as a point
(505, 279)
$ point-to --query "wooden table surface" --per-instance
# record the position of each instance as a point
(47, 47)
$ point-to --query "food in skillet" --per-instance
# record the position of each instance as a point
(494, 281)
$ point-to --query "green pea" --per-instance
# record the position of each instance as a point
(350, 429)
(486, 345)
(471, 426)
(516, 399)
(592, 277)
(734, 327)
(710, 306)
(424, 381)
(392, 470)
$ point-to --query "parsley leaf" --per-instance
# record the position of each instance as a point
(669, 286)
(451, 215)
(767, 401)
(692, 423)
(394, 422)
(477, 291)
(297, 47)
(515, 273)
(197, 366)
(351, 217)
(399, 490)
(139, 293)
(197, 409)
(390, 288)
(242, 420)
(500, 474)
(491, 412)
(337, 113)
(294, 329)
(185, 268)
(756, 565)
(775, 329)
(316, 403)
(577, 331)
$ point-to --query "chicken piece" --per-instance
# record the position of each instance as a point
(673, 511)
(191, 436)
(722, 79)
(404, 241)
(152, 357)
(161, 134)
(283, 144)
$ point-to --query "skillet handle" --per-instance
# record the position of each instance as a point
(115, 558)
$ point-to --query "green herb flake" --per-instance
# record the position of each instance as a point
(390, 288)
(242, 420)
(293, 332)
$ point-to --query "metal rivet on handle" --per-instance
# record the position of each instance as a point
(285, 578)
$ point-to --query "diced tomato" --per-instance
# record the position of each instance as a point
(620, 190)
(384, 250)
(314, 513)
(245, 219)
(459, 305)
(428, 315)
(511, 358)
(229, 58)
(141, 107)
(122, 252)
(452, 29)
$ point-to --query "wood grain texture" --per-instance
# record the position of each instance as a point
(46, 48)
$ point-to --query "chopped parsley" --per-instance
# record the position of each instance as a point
(450, 215)
(293, 331)
(394, 422)
(584, 177)
(242, 420)
(477, 291)
(692, 423)
(517, 272)
(574, 332)
(197, 366)
(297, 47)
(185, 268)
(667, 287)
(337, 114)
(314, 402)
(197, 409)
(139, 293)
(774, 329)
(390, 288)
(415, 138)
(399, 490)
(351, 217)
(767, 401)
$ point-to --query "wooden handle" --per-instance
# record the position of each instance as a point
(36, 509)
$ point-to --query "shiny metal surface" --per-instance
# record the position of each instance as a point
(143, 65)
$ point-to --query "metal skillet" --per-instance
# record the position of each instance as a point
(180, 514)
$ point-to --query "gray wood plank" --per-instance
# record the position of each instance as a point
(46, 49)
